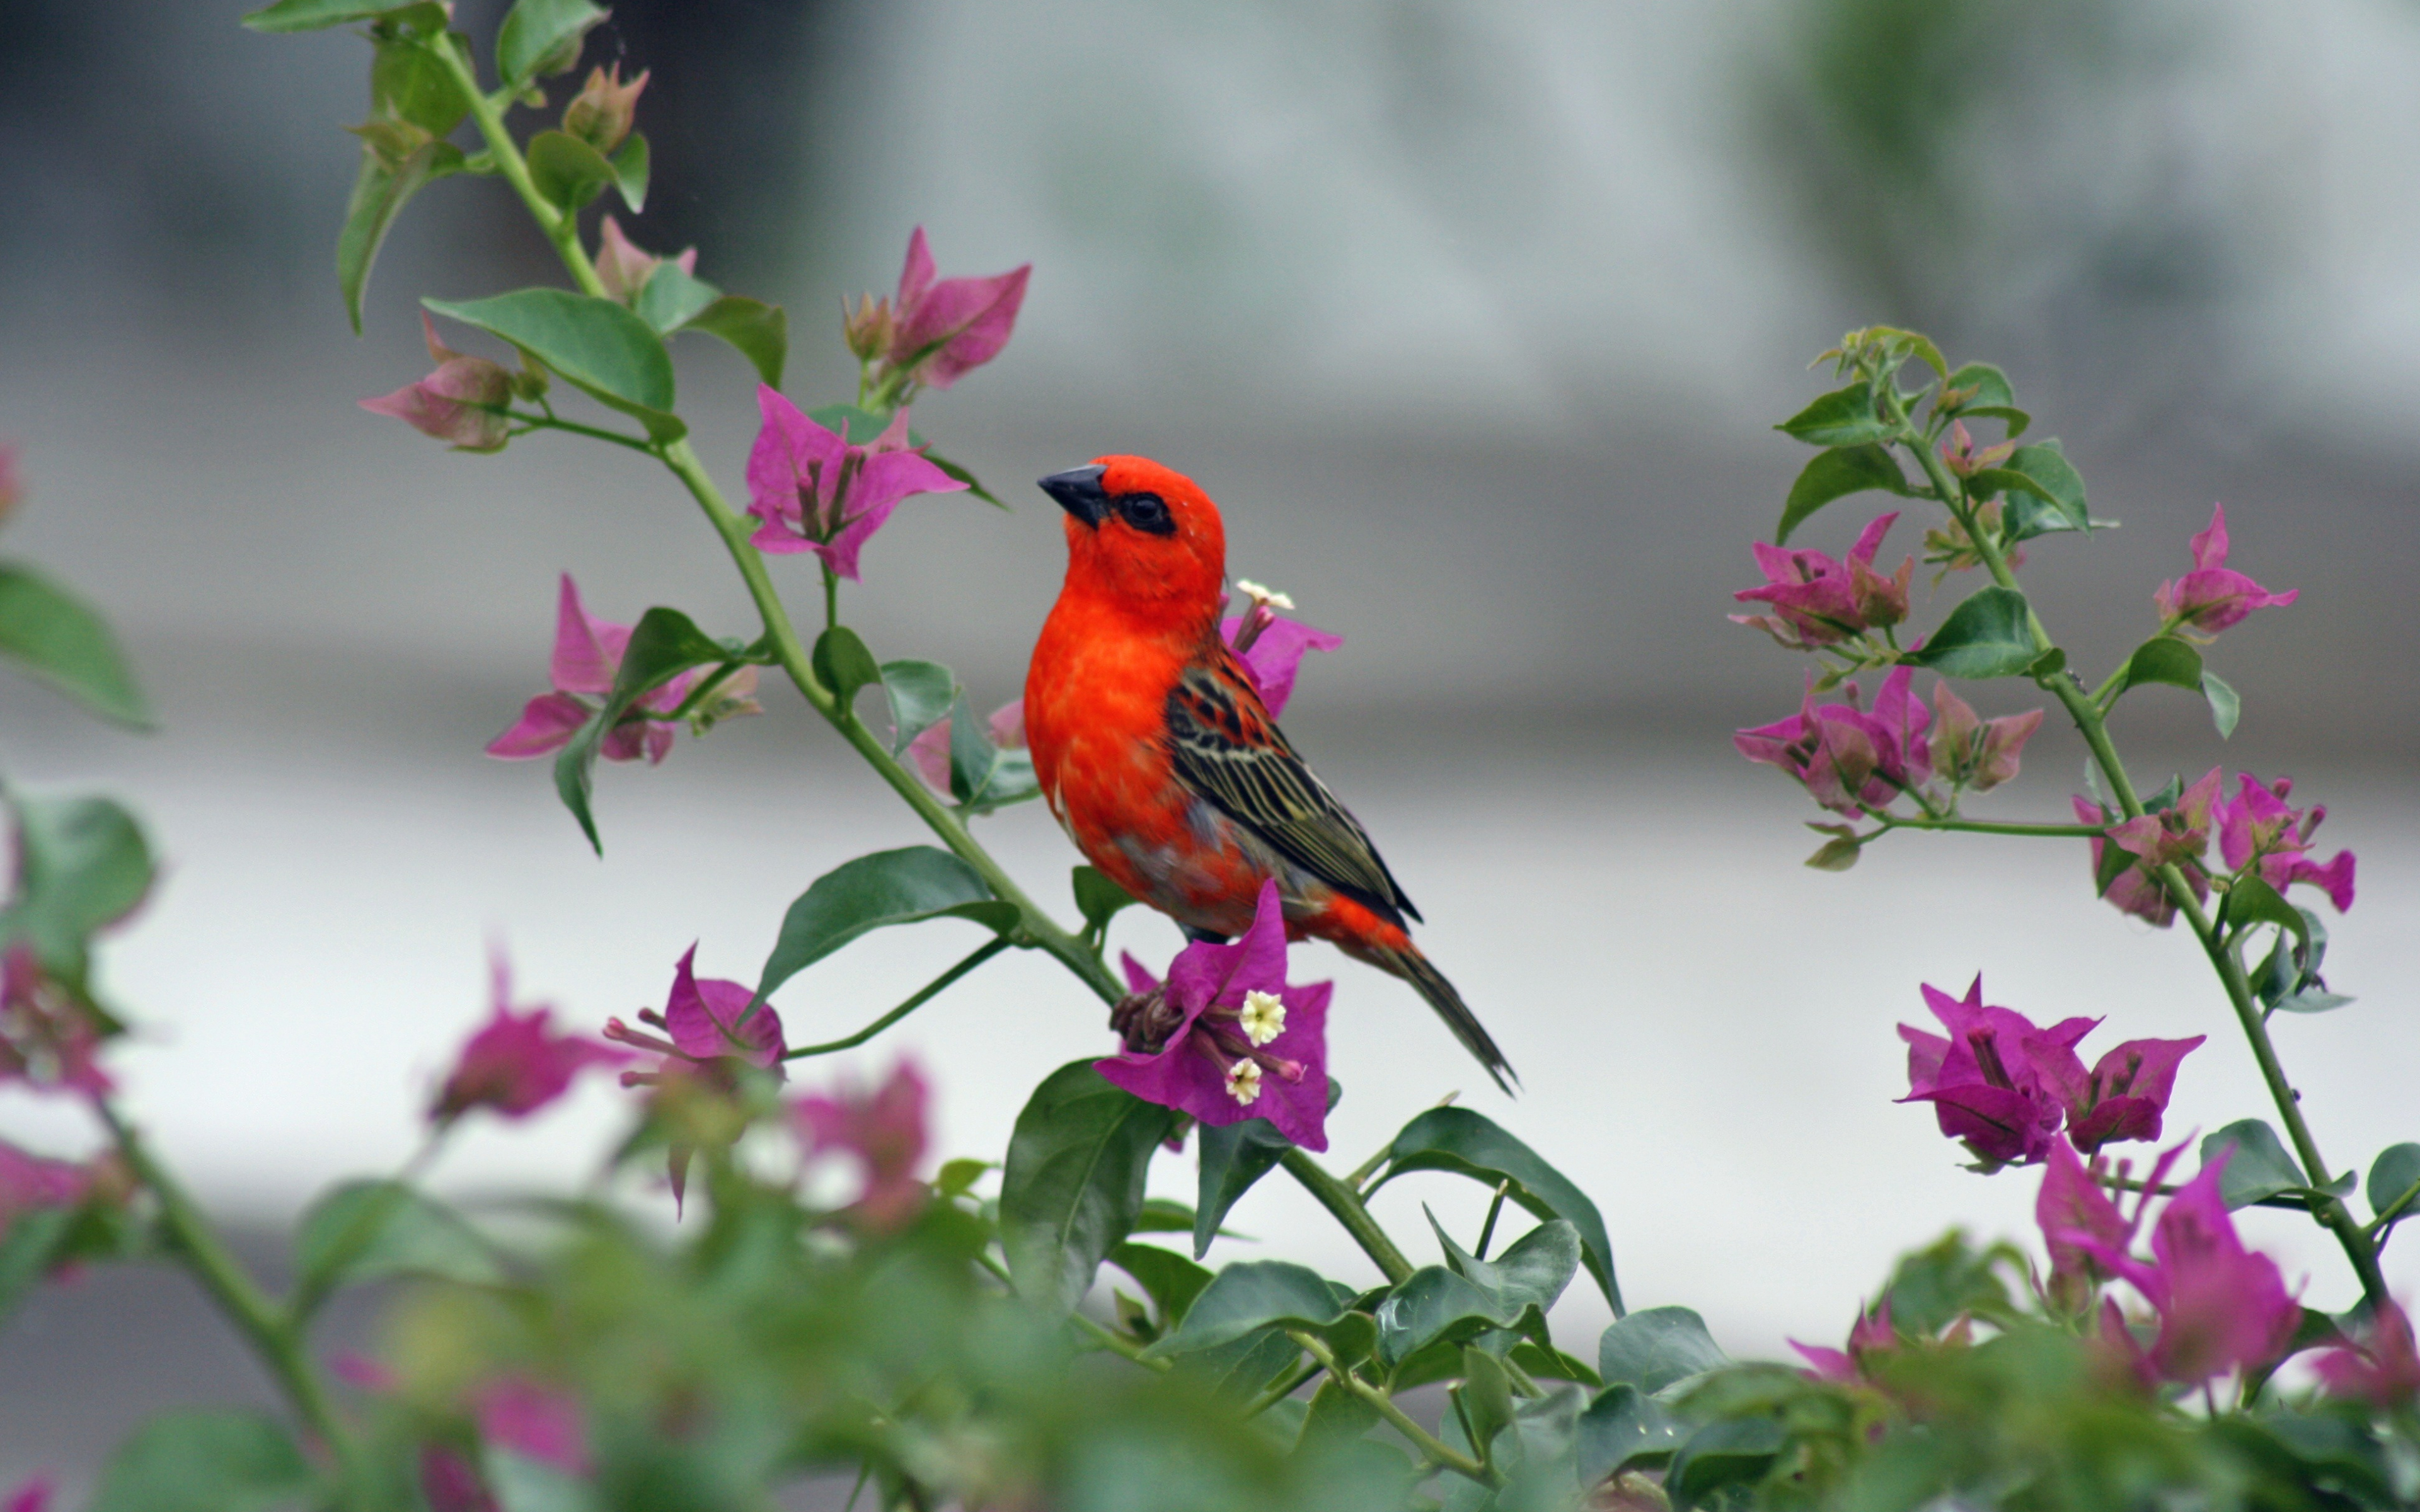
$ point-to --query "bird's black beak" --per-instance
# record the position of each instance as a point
(1079, 492)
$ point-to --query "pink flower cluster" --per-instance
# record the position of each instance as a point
(814, 491)
(1851, 758)
(1819, 602)
(2003, 1086)
(935, 332)
(587, 656)
(2211, 598)
(2259, 833)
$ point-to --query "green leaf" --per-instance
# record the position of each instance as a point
(901, 886)
(1554, 1365)
(844, 665)
(29, 1247)
(542, 37)
(1235, 1156)
(857, 426)
(2048, 494)
(1838, 854)
(1533, 1271)
(409, 82)
(2391, 1175)
(631, 170)
(759, 331)
(204, 1461)
(1653, 1348)
(1073, 1182)
(318, 15)
(380, 194)
(1730, 1453)
(62, 640)
(568, 172)
(2259, 1166)
(81, 865)
(2224, 706)
(1433, 1307)
(974, 485)
(1253, 1295)
(1099, 899)
(920, 694)
(597, 345)
(957, 1178)
(1460, 1141)
(1990, 385)
(1844, 417)
(672, 296)
(362, 1230)
(1172, 1281)
(1161, 1215)
(1835, 475)
(1625, 1428)
(663, 644)
(2162, 659)
(2251, 901)
(1484, 1398)
(1986, 636)
(983, 775)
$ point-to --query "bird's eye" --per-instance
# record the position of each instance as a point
(1147, 513)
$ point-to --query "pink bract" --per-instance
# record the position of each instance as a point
(462, 402)
(2211, 598)
(884, 1130)
(812, 490)
(942, 331)
(516, 1063)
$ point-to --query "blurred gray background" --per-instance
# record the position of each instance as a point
(1473, 317)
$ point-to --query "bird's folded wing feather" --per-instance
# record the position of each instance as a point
(1228, 750)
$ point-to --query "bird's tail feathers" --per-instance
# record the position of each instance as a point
(1409, 963)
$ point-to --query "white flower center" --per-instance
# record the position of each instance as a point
(1244, 1082)
(1266, 595)
(1263, 1017)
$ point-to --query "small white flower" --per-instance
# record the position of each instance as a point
(1263, 1018)
(1244, 1082)
(1263, 595)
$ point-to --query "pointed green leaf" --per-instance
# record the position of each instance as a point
(2251, 901)
(672, 295)
(974, 485)
(1235, 1156)
(2258, 1166)
(1484, 1398)
(318, 15)
(1433, 1307)
(1073, 1183)
(29, 1249)
(1989, 388)
(1986, 636)
(1844, 417)
(2392, 1177)
(2224, 706)
(204, 1460)
(630, 168)
(663, 644)
(2051, 480)
(81, 865)
(2162, 659)
(1625, 1428)
(62, 640)
(1835, 475)
(1653, 1348)
(757, 331)
(542, 37)
(920, 694)
(409, 82)
(1253, 1295)
(1099, 899)
(1533, 1271)
(1838, 854)
(380, 194)
(568, 172)
(901, 886)
(362, 1230)
(843, 664)
(597, 345)
(1464, 1142)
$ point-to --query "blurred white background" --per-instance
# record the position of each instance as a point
(1473, 317)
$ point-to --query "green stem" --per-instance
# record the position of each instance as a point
(592, 432)
(2394, 1209)
(260, 1321)
(1283, 1389)
(923, 995)
(1990, 826)
(1437, 1451)
(831, 598)
(1033, 925)
(1345, 1204)
(1495, 1209)
(1110, 1339)
(561, 228)
(2328, 1211)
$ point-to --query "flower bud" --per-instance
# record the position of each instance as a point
(867, 327)
(600, 114)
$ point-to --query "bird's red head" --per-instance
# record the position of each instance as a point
(1144, 536)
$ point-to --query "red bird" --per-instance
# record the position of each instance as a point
(1158, 759)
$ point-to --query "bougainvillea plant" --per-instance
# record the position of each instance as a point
(1028, 1331)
